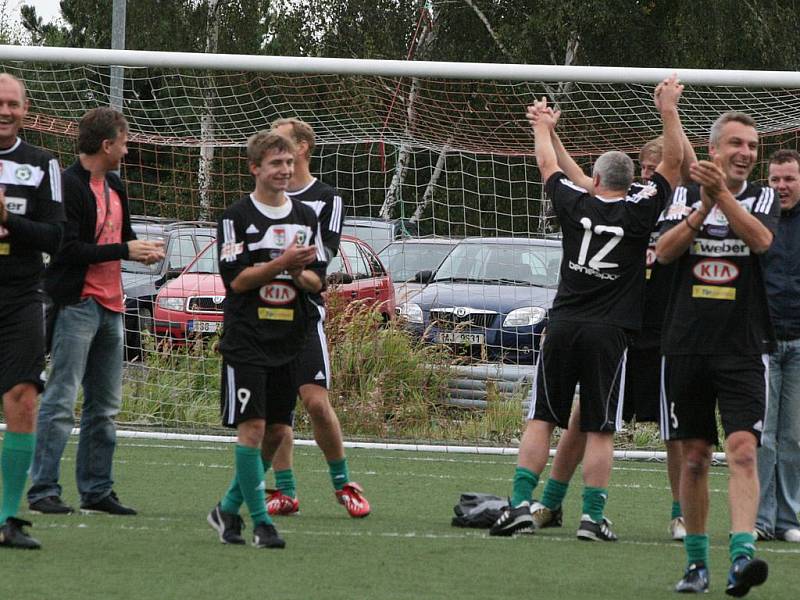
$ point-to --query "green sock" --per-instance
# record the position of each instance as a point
(250, 476)
(285, 482)
(16, 460)
(742, 543)
(696, 548)
(232, 500)
(525, 481)
(554, 492)
(339, 474)
(676, 509)
(594, 501)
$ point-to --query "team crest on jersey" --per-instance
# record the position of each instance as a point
(301, 238)
(279, 235)
(23, 173)
(717, 223)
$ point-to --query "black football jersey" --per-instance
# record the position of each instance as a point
(658, 283)
(718, 302)
(327, 205)
(604, 242)
(32, 181)
(265, 326)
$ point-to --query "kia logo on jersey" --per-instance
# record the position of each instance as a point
(715, 271)
(277, 293)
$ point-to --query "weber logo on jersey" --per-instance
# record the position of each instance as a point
(17, 206)
(719, 248)
(278, 237)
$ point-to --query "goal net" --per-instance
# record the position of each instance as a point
(435, 155)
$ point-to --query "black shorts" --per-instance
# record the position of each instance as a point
(314, 364)
(643, 385)
(247, 392)
(592, 354)
(694, 385)
(22, 345)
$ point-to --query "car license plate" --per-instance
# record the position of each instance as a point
(202, 326)
(447, 337)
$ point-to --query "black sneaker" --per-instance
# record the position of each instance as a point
(12, 535)
(229, 526)
(544, 517)
(590, 531)
(109, 505)
(51, 505)
(266, 536)
(695, 580)
(744, 574)
(513, 520)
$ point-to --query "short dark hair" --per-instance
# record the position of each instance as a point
(262, 142)
(725, 118)
(97, 125)
(785, 155)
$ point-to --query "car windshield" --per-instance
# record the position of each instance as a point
(403, 260)
(377, 237)
(504, 264)
(206, 261)
(131, 266)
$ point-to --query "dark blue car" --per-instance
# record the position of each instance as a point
(489, 298)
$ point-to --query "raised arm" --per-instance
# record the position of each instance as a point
(666, 96)
(543, 122)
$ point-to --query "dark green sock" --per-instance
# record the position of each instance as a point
(594, 501)
(285, 482)
(232, 500)
(250, 475)
(16, 460)
(339, 473)
(742, 543)
(696, 548)
(525, 482)
(554, 493)
(676, 510)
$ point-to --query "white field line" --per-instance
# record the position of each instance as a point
(448, 449)
(460, 534)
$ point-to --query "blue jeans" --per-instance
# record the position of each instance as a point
(87, 349)
(779, 454)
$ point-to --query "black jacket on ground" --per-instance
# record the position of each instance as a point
(65, 277)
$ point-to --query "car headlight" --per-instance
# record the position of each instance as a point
(525, 317)
(168, 303)
(410, 312)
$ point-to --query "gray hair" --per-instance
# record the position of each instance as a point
(724, 119)
(615, 170)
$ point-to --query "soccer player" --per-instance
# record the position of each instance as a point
(605, 235)
(314, 375)
(643, 369)
(84, 282)
(717, 332)
(270, 256)
(779, 454)
(31, 214)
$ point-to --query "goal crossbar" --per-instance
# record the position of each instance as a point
(397, 68)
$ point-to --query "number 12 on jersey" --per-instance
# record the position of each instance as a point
(596, 261)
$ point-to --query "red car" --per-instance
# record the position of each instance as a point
(192, 302)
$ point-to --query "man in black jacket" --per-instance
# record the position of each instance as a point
(84, 282)
(31, 215)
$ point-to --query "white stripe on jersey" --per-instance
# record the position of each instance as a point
(678, 199)
(322, 256)
(315, 205)
(336, 216)
(228, 240)
(574, 186)
(231, 395)
(765, 200)
(664, 421)
(55, 180)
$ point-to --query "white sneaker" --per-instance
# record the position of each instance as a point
(791, 535)
(677, 528)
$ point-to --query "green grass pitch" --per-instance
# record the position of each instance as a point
(405, 550)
